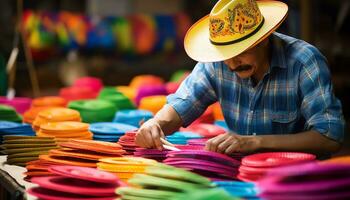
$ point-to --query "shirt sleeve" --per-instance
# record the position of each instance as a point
(195, 93)
(321, 109)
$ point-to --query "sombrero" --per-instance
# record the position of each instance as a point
(232, 27)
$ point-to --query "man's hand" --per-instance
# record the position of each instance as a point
(230, 143)
(149, 134)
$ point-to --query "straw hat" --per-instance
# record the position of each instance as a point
(232, 27)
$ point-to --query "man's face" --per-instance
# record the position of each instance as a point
(247, 63)
(244, 65)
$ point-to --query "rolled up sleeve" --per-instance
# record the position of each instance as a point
(195, 93)
(321, 109)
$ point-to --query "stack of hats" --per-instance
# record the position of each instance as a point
(307, 181)
(163, 182)
(71, 182)
(22, 149)
(95, 84)
(110, 131)
(94, 110)
(255, 166)
(75, 152)
(152, 103)
(37, 168)
(8, 113)
(213, 165)
(132, 117)
(127, 141)
(155, 154)
(55, 115)
(145, 91)
(49, 101)
(125, 167)
(77, 93)
(119, 100)
(128, 91)
(13, 128)
(243, 190)
(205, 130)
(65, 130)
(180, 137)
(21, 104)
(85, 153)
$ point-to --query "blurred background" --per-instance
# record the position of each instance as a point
(115, 40)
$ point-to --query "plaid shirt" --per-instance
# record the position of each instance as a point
(293, 96)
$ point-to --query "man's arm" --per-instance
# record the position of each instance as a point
(168, 119)
(194, 95)
(308, 141)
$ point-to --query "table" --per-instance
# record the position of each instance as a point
(12, 185)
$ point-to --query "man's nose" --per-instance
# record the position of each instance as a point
(233, 62)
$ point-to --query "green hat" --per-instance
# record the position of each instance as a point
(8, 113)
(94, 110)
(120, 101)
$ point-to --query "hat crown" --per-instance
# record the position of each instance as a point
(232, 21)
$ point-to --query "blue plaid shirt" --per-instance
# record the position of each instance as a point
(294, 95)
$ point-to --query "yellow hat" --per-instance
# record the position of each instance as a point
(232, 27)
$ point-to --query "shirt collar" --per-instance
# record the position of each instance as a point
(278, 58)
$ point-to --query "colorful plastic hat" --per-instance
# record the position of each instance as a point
(145, 91)
(110, 131)
(307, 181)
(144, 80)
(132, 117)
(30, 115)
(91, 82)
(94, 110)
(49, 101)
(67, 129)
(55, 115)
(119, 100)
(21, 104)
(77, 93)
(128, 91)
(8, 113)
(152, 103)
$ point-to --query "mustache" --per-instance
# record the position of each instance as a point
(243, 68)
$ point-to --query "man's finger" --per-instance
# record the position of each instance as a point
(224, 145)
(140, 140)
(213, 144)
(156, 138)
(232, 148)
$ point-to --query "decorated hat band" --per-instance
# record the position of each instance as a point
(233, 22)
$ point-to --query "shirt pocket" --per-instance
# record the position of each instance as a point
(283, 122)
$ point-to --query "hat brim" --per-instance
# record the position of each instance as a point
(198, 46)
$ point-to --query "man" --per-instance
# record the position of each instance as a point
(275, 91)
